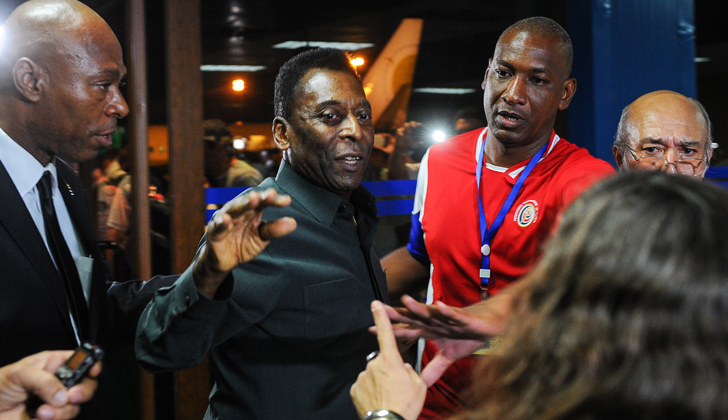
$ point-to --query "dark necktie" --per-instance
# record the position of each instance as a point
(62, 256)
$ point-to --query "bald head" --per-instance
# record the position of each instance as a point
(42, 30)
(61, 68)
(663, 121)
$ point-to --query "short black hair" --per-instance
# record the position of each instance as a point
(544, 27)
(293, 70)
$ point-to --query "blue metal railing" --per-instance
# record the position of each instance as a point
(389, 196)
(718, 175)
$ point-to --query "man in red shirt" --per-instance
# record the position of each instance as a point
(487, 199)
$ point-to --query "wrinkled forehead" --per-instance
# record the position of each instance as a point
(670, 123)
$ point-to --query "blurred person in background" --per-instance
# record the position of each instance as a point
(411, 143)
(468, 119)
(222, 168)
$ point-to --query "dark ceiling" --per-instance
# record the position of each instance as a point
(457, 38)
(453, 51)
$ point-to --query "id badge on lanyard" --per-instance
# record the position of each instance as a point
(487, 233)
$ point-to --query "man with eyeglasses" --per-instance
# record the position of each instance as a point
(664, 130)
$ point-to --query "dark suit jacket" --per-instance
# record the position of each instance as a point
(33, 309)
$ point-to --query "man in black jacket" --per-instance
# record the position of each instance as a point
(287, 332)
(61, 69)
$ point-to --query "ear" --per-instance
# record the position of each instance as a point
(29, 79)
(618, 156)
(567, 93)
(485, 76)
(281, 133)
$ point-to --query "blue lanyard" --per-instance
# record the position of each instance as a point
(488, 234)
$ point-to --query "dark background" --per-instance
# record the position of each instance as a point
(457, 39)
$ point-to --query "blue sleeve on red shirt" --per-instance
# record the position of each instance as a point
(416, 244)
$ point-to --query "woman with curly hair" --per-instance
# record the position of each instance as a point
(625, 316)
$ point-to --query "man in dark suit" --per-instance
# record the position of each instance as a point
(61, 69)
(59, 101)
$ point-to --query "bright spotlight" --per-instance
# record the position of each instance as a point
(240, 143)
(438, 135)
(356, 62)
(238, 85)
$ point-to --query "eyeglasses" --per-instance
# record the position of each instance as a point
(685, 166)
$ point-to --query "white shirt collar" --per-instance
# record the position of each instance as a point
(23, 168)
(513, 174)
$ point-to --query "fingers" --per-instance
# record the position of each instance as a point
(277, 228)
(402, 332)
(385, 336)
(250, 206)
(34, 375)
(83, 391)
(256, 200)
(417, 309)
(449, 315)
(48, 360)
(434, 369)
(47, 412)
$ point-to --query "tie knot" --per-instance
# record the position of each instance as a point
(45, 186)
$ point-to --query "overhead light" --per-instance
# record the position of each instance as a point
(701, 59)
(238, 85)
(348, 46)
(356, 62)
(445, 91)
(229, 67)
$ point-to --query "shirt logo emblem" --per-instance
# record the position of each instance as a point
(526, 213)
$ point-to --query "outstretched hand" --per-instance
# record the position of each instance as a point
(476, 322)
(388, 382)
(33, 376)
(236, 234)
(458, 332)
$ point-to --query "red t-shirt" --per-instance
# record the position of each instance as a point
(445, 227)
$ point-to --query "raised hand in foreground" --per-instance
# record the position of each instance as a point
(388, 383)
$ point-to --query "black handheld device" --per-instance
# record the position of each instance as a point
(71, 372)
(78, 365)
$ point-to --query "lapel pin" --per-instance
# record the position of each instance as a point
(69, 189)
